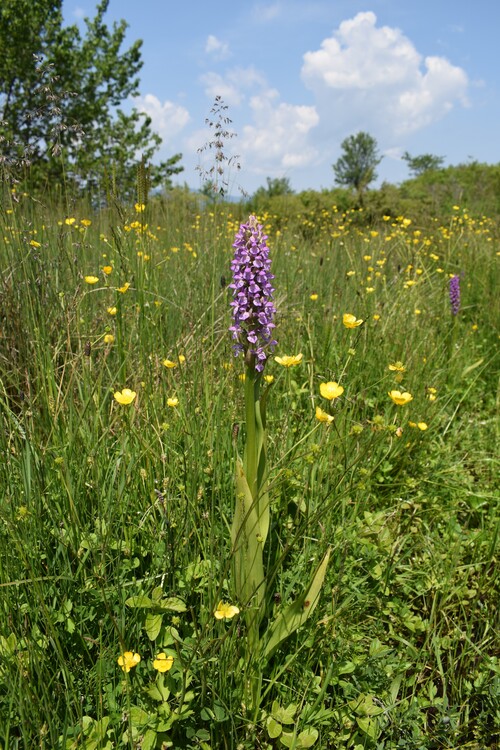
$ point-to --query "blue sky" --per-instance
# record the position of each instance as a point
(298, 76)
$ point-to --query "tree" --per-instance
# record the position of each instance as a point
(356, 167)
(276, 186)
(60, 97)
(423, 163)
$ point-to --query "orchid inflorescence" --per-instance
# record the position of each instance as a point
(253, 308)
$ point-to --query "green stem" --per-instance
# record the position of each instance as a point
(251, 457)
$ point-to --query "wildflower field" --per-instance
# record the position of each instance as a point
(130, 613)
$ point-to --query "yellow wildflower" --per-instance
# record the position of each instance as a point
(169, 364)
(313, 297)
(125, 397)
(109, 338)
(331, 390)
(124, 288)
(163, 662)
(422, 426)
(34, 243)
(225, 611)
(107, 269)
(172, 401)
(322, 416)
(112, 310)
(289, 360)
(128, 660)
(400, 398)
(350, 320)
(91, 279)
(86, 222)
(397, 367)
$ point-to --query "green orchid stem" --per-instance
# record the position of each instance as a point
(252, 389)
(252, 469)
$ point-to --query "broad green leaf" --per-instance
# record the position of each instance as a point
(99, 728)
(138, 717)
(8, 645)
(288, 739)
(139, 601)
(173, 603)
(348, 667)
(307, 738)
(284, 715)
(157, 594)
(368, 726)
(247, 543)
(274, 728)
(297, 613)
(149, 740)
(152, 626)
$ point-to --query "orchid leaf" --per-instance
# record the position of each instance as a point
(291, 618)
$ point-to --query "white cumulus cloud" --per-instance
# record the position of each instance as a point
(168, 118)
(372, 77)
(278, 139)
(216, 48)
(231, 86)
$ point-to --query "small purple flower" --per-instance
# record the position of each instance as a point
(454, 291)
(253, 309)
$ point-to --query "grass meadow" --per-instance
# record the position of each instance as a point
(115, 517)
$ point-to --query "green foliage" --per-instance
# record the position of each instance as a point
(277, 187)
(114, 519)
(60, 97)
(422, 163)
(356, 168)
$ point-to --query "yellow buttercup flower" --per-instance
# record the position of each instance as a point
(422, 426)
(107, 269)
(109, 338)
(69, 221)
(34, 243)
(400, 398)
(331, 390)
(125, 397)
(163, 662)
(91, 279)
(128, 660)
(182, 359)
(112, 310)
(313, 297)
(350, 321)
(139, 207)
(225, 611)
(289, 360)
(85, 222)
(173, 401)
(322, 416)
(269, 379)
(124, 288)
(397, 367)
(169, 364)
